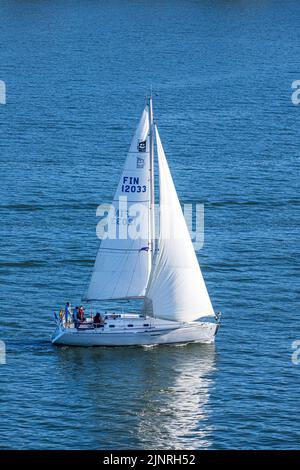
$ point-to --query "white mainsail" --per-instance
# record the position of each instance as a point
(123, 264)
(176, 288)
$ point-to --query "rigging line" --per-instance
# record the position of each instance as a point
(108, 299)
(133, 272)
(120, 271)
(138, 152)
(132, 200)
(125, 249)
(138, 260)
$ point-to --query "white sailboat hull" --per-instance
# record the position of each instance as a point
(194, 332)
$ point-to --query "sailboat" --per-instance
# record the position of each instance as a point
(162, 272)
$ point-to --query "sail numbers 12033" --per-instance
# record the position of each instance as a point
(126, 188)
(131, 184)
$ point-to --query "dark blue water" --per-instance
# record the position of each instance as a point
(77, 73)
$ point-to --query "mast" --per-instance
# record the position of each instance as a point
(152, 195)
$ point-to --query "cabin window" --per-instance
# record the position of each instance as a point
(130, 326)
(146, 324)
(111, 326)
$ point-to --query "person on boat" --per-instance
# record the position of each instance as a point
(97, 320)
(80, 314)
(67, 312)
(61, 315)
(75, 316)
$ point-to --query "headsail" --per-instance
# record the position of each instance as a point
(123, 264)
(176, 288)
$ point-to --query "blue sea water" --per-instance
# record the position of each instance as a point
(76, 74)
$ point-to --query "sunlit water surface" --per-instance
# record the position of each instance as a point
(76, 74)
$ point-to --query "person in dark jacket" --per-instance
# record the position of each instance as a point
(97, 320)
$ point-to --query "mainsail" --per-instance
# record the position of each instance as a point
(176, 288)
(123, 263)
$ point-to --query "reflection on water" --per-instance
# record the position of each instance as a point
(175, 407)
(152, 399)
